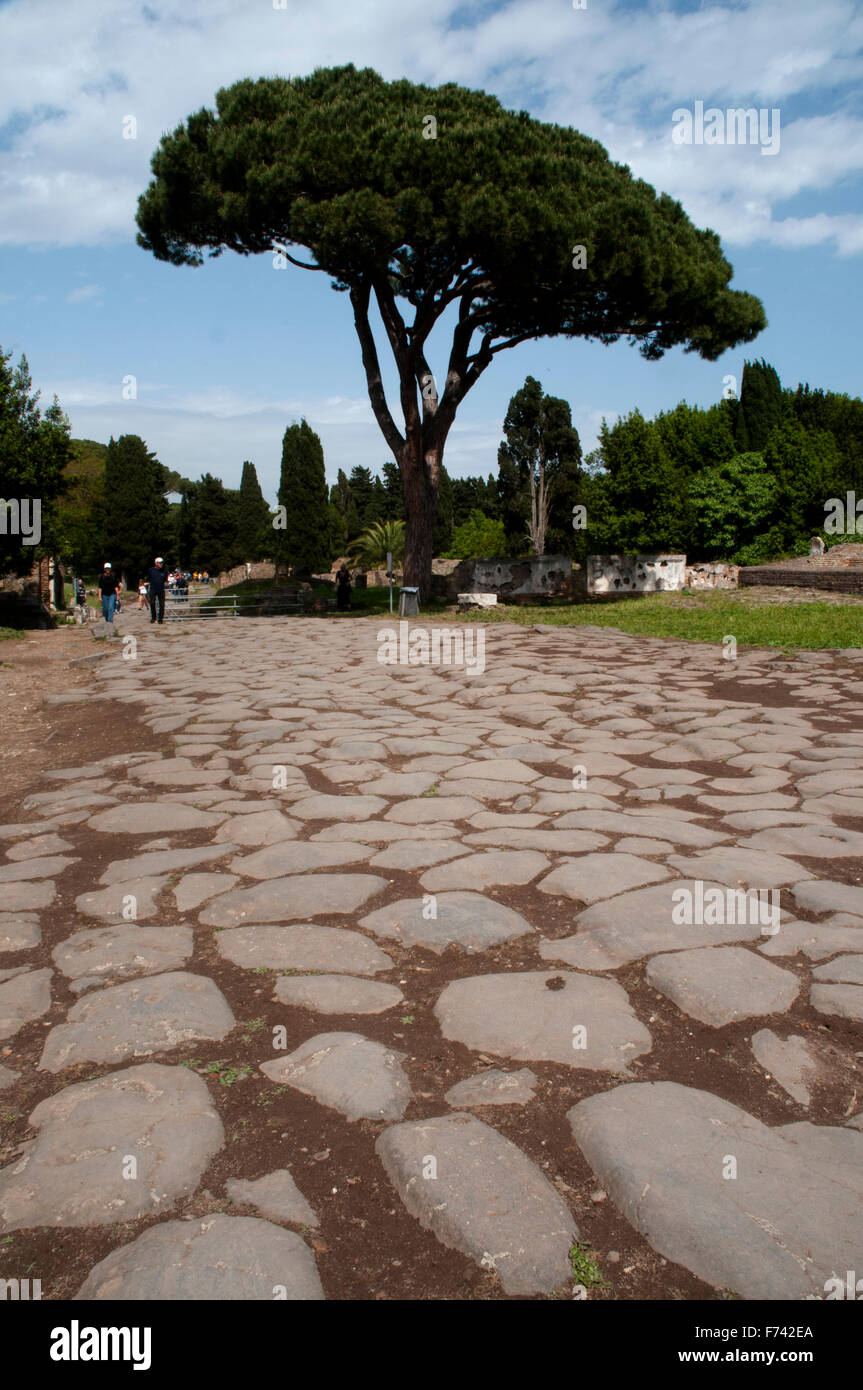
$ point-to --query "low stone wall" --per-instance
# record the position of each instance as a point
(260, 569)
(636, 574)
(514, 581)
(712, 574)
(843, 581)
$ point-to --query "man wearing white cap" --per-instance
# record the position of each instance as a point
(156, 580)
(109, 583)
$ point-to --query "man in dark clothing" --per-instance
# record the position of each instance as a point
(156, 580)
(109, 583)
(343, 588)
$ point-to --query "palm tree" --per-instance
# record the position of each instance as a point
(369, 551)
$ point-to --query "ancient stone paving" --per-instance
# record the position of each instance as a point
(567, 950)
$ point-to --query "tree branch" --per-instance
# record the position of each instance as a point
(404, 355)
(377, 395)
(283, 251)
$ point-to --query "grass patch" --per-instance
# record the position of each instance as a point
(585, 1270)
(220, 1071)
(694, 617)
(10, 634)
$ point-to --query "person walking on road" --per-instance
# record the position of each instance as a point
(109, 583)
(156, 583)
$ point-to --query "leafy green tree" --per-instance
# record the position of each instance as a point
(801, 464)
(645, 507)
(760, 407)
(475, 494)
(369, 551)
(304, 542)
(135, 510)
(695, 438)
(732, 504)
(481, 219)
(80, 519)
(395, 498)
(254, 521)
(538, 467)
(211, 525)
(479, 538)
(35, 450)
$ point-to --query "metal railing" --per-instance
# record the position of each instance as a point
(253, 605)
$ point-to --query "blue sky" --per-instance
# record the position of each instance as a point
(226, 356)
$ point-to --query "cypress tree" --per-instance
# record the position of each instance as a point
(304, 543)
(253, 517)
(136, 513)
(760, 408)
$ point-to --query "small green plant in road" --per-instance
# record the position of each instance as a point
(271, 1094)
(431, 791)
(585, 1270)
(406, 1018)
(220, 1070)
(254, 1025)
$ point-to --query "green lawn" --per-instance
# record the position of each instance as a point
(703, 618)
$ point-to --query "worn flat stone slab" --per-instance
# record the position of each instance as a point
(276, 1197)
(383, 832)
(302, 947)
(496, 868)
(19, 931)
(550, 841)
(133, 900)
(816, 939)
(22, 998)
(736, 866)
(721, 984)
(137, 1019)
(791, 1217)
(823, 895)
(841, 1000)
(38, 847)
(595, 876)
(28, 897)
(408, 856)
(296, 857)
(162, 861)
(293, 898)
(495, 770)
(843, 970)
(194, 889)
(343, 808)
(540, 1016)
(176, 772)
(810, 840)
(487, 1199)
(493, 1087)
(337, 994)
(119, 953)
(152, 818)
(72, 1174)
(465, 919)
(232, 1258)
(258, 828)
(434, 808)
(347, 1072)
(789, 1061)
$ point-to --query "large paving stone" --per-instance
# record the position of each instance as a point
(72, 1174)
(791, 1218)
(28, 897)
(343, 808)
(194, 889)
(788, 1060)
(844, 970)
(596, 876)
(478, 1193)
(38, 847)
(842, 1000)
(293, 898)
(118, 953)
(137, 1019)
(493, 1087)
(465, 919)
(721, 984)
(496, 868)
(809, 840)
(176, 772)
(162, 861)
(531, 1016)
(816, 939)
(408, 856)
(337, 994)
(22, 998)
(19, 931)
(235, 1258)
(347, 1072)
(133, 900)
(735, 866)
(152, 818)
(47, 866)
(296, 857)
(302, 947)
(258, 828)
(276, 1197)
(640, 923)
(823, 895)
(434, 808)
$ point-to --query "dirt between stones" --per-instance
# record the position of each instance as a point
(367, 1246)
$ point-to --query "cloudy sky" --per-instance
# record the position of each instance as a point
(225, 356)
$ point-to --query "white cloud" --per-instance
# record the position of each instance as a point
(78, 71)
(84, 293)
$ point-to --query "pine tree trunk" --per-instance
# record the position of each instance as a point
(420, 473)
